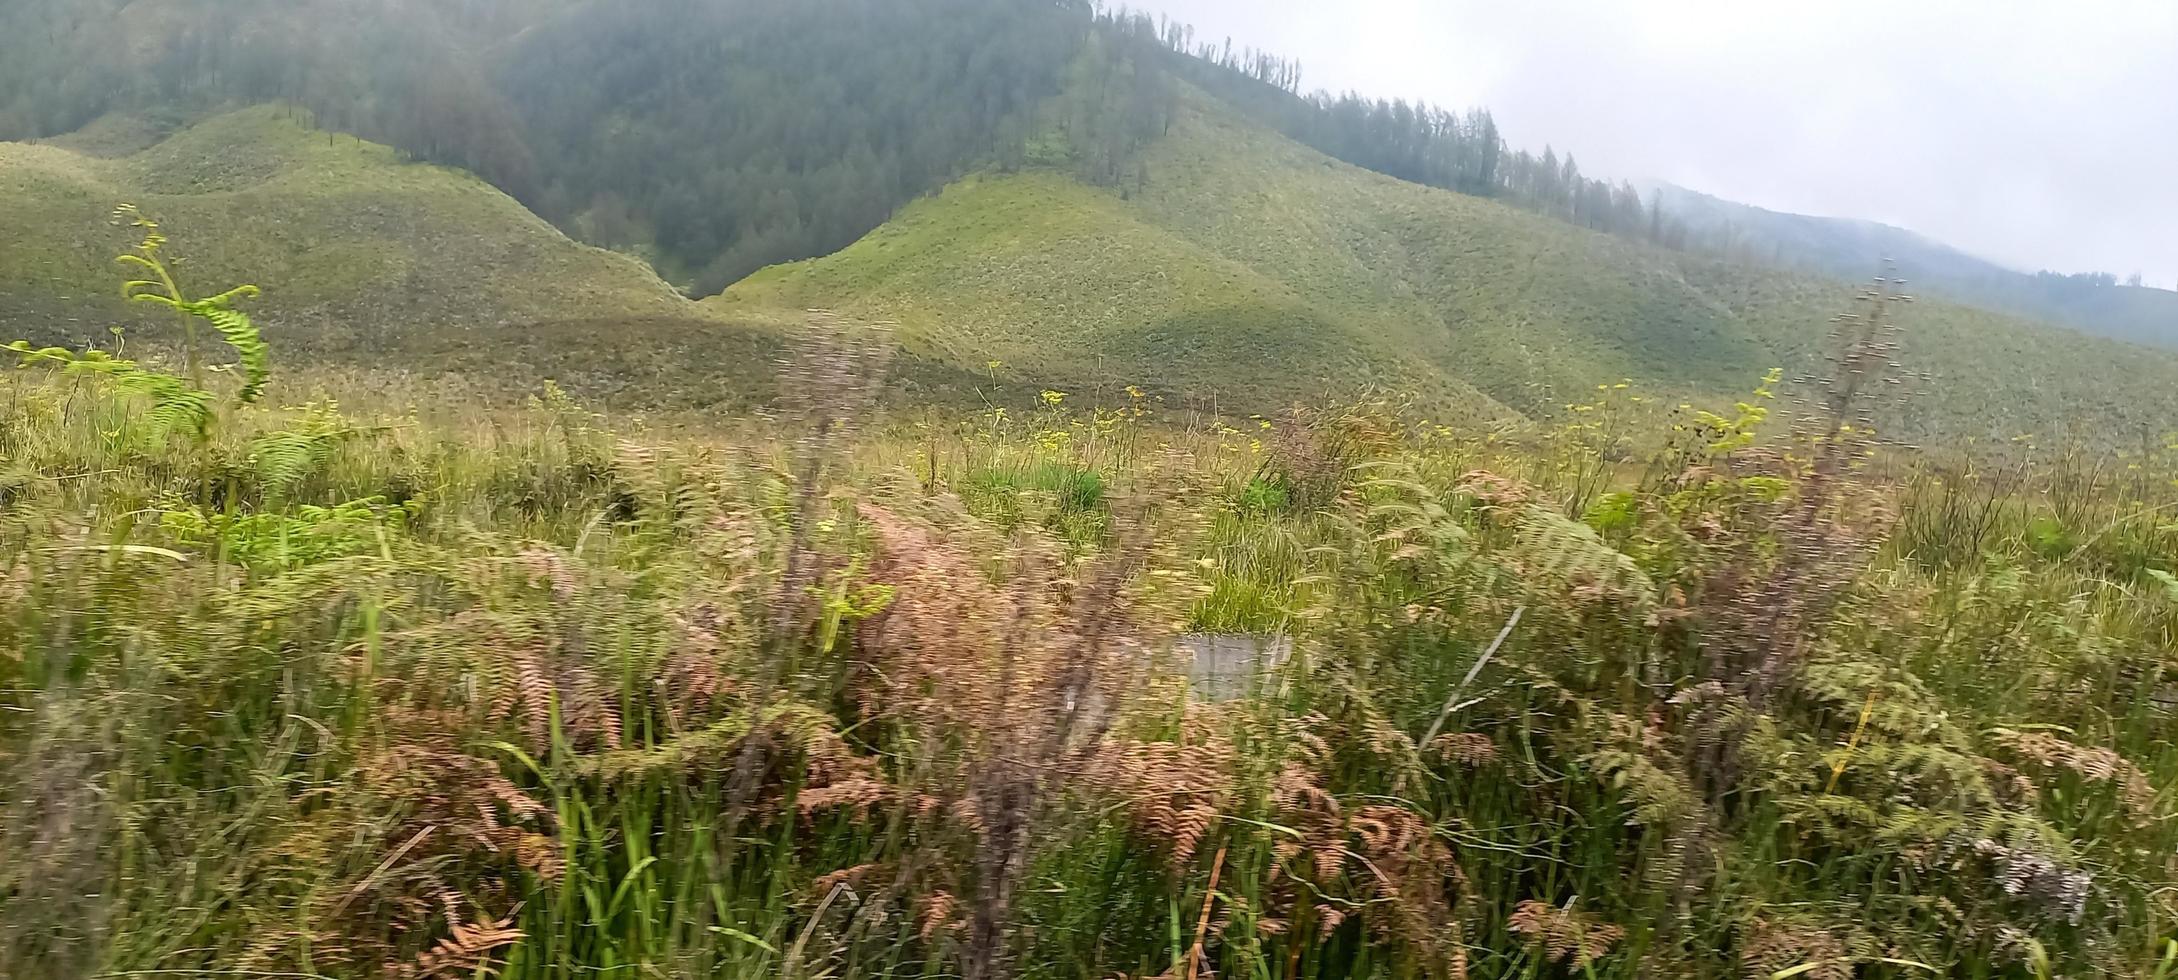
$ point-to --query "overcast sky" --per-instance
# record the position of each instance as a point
(2037, 134)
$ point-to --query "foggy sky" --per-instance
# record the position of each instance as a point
(2036, 134)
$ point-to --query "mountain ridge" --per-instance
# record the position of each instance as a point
(715, 138)
(1852, 248)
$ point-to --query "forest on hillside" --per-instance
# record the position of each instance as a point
(715, 137)
(719, 136)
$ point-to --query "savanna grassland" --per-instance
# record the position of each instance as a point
(313, 672)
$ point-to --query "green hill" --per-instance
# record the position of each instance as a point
(1247, 267)
(1066, 286)
(362, 255)
(1239, 270)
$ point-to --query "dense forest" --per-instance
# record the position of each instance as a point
(715, 137)
(718, 137)
(733, 136)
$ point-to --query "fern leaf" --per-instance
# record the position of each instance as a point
(176, 405)
(236, 329)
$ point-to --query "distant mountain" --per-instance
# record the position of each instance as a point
(1852, 248)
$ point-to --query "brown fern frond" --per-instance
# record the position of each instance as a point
(469, 952)
(1778, 945)
(1173, 792)
(590, 714)
(1567, 936)
(532, 698)
(937, 912)
(550, 569)
(2095, 765)
(1469, 749)
(1497, 493)
(541, 855)
(856, 794)
(849, 877)
(1329, 921)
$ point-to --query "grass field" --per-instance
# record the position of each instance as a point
(409, 682)
(1063, 285)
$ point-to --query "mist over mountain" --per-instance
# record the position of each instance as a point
(2097, 303)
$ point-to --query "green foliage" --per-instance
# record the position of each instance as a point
(1721, 434)
(278, 540)
(2165, 579)
(539, 692)
(1264, 495)
(232, 326)
(1055, 495)
(177, 407)
(283, 458)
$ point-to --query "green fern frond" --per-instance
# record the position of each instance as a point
(240, 334)
(284, 458)
(234, 327)
(1838, 817)
(176, 405)
(1657, 797)
(226, 299)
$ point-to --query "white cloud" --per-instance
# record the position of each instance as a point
(2041, 135)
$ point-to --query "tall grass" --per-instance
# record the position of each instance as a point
(525, 691)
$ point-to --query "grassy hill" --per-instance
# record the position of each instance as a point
(363, 256)
(1253, 269)
(1064, 285)
(1244, 272)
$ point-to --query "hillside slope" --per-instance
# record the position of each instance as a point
(361, 256)
(1243, 272)
(1273, 260)
(1067, 286)
(1850, 247)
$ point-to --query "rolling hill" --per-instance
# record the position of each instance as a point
(363, 257)
(1251, 268)
(1240, 270)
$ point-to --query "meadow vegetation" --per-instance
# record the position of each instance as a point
(347, 677)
